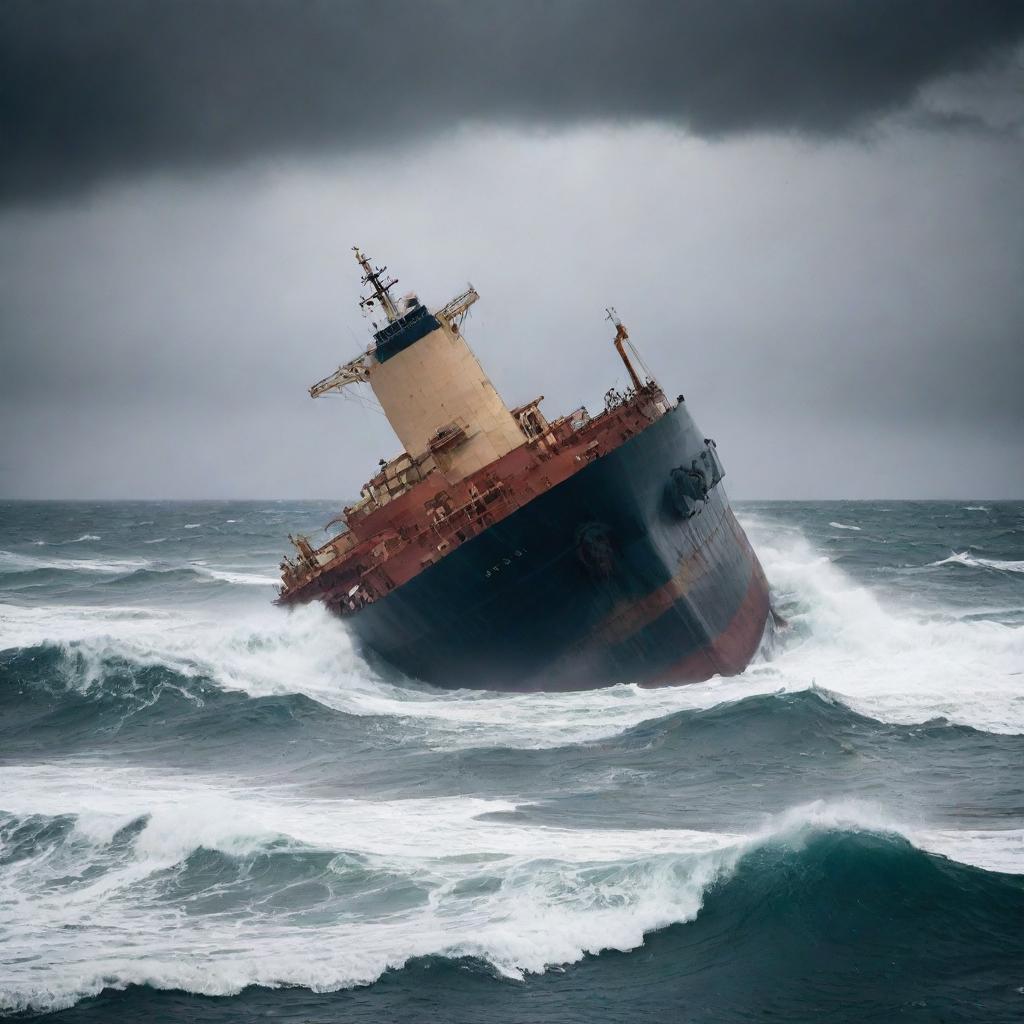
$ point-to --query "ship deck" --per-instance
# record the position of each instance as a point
(397, 533)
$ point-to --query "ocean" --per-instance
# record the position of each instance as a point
(212, 809)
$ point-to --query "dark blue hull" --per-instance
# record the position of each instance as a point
(609, 577)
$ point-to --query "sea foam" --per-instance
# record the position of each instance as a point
(458, 882)
(888, 662)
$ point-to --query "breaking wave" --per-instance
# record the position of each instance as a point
(90, 850)
(966, 558)
(202, 792)
(889, 664)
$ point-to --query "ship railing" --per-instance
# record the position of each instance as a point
(467, 519)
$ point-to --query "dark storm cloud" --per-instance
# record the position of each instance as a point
(92, 90)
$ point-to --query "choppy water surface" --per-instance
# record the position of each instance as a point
(214, 810)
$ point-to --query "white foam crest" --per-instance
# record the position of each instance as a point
(11, 561)
(262, 652)
(192, 526)
(966, 558)
(522, 896)
(989, 849)
(976, 508)
(76, 540)
(271, 652)
(247, 579)
(890, 662)
(887, 662)
(70, 624)
(844, 526)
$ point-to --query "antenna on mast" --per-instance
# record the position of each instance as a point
(373, 276)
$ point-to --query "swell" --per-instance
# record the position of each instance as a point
(791, 919)
(205, 799)
(696, 769)
(18, 571)
(887, 664)
(13, 563)
(66, 698)
(161, 575)
(76, 698)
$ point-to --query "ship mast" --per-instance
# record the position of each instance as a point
(373, 276)
(622, 335)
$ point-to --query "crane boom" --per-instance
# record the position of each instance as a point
(455, 311)
(353, 372)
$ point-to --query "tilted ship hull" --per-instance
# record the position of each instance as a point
(598, 581)
(505, 551)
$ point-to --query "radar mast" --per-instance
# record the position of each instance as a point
(373, 276)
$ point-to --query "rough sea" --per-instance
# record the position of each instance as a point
(215, 810)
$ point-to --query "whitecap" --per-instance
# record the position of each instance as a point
(521, 896)
(843, 526)
(11, 561)
(887, 662)
(94, 630)
(966, 558)
(882, 658)
(60, 543)
(192, 526)
(250, 579)
(891, 664)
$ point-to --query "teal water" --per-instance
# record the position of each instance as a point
(215, 810)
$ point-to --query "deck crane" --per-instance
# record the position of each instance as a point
(356, 371)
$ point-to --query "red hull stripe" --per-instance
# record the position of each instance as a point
(725, 654)
(730, 652)
(630, 618)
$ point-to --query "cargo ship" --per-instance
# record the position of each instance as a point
(504, 550)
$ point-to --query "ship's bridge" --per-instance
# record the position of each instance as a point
(415, 322)
(434, 392)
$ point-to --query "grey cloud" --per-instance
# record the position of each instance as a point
(96, 90)
(845, 320)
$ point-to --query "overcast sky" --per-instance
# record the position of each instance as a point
(810, 215)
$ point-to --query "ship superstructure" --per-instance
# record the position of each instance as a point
(502, 549)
